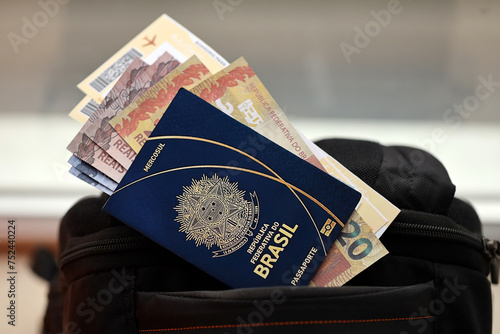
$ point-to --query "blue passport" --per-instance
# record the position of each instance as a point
(228, 200)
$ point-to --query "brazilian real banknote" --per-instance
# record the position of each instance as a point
(97, 140)
(356, 249)
(133, 123)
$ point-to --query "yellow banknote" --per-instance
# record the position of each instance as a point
(134, 123)
(238, 92)
(163, 31)
(355, 249)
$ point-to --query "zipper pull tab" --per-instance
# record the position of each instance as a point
(491, 249)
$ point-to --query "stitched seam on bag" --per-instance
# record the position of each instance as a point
(285, 323)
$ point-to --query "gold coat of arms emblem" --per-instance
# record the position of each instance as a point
(213, 212)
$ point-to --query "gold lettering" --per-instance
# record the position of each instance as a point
(261, 271)
(285, 232)
(279, 240)
(275, 250)
(291, 229)
(267, 259)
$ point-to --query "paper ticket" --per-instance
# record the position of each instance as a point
(163, 30)
(84, 109)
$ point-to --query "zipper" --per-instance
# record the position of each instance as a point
(437, 232)
(492, 249)
(489, 248)
(106, 246)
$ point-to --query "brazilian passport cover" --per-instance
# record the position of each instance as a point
(230, 201)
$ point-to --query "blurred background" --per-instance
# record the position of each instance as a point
(337, 68)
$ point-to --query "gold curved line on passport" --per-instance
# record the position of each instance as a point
(239, 169)
(254, 159)
(265, 166)
(260, 163)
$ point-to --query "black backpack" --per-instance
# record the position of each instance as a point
(111, 279)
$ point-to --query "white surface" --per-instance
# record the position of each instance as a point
(34, 181)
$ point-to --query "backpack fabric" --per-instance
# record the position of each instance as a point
(111, 279)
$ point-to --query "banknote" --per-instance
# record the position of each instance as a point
(355, 249)
(84, 147)
(85, 178)
(87, 106)
(236, 85)
(238, 92)
(93, 173)
(376, 210)
(103, 134)
(115, 145)
(162, 31)
(133, 124)
(97, 140)
(102, 161)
